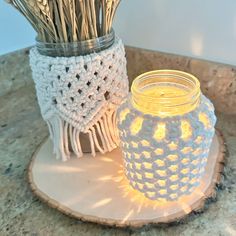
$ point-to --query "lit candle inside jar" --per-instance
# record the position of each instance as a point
(160, 90)
(165, 95)
(166, 129)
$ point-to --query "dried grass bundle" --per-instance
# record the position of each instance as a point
(68, 20)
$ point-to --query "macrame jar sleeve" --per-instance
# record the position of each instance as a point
(80, 95)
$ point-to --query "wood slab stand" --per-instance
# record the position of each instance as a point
(95, 189)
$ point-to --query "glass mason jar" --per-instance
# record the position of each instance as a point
(166, 128)
(79, 48)
(79, 88)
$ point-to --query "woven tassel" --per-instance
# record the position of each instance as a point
(100, 134)
(96, 141)
(112, 127)
(66, 138)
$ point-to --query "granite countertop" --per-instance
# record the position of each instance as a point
(22, 130)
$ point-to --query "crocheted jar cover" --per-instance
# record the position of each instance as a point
(161, 159)
(80, 95)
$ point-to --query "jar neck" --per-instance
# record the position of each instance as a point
(165, 93)
(80, 48)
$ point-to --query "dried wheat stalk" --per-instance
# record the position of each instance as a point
(68, 20)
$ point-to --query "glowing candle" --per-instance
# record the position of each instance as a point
(166, 129)
(165, 93)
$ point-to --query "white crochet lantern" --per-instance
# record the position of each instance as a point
(166, 129)
(80, 95)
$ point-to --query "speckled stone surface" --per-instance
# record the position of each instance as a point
(22, 130)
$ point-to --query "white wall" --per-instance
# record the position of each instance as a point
(15, 31)
(198, 28)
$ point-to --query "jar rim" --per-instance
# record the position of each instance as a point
(88, 41)
(170, 103)
(159, 73)
(77, 48)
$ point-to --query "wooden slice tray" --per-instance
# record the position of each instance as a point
(95, 189)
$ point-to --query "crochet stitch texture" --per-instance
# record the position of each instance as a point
(168, 168)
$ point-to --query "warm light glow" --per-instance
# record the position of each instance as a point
(136, 125)
(197, 151)
(162, 173)
(165, 147)
(128, 155)
(146, 154)
(173, 195)
(147, 165)
(105, 178)
(131, 174)
(135, 145)
(65, 169)
(149, 175)
(145, 143)
(185, 161)
(185, 179)
(204, 119)
(185, 171)
(195, 162)
(149, 185)
(139, 176)
(193, 180)
(186, 130)
(140, 185)
(195, 171)
(160, 162)
(161, 183)
(173, 168)
(183, 189)
(165, 92)
(123, 115)
(174, 177)
(159, 151)
(172, 146)
(198, 140)
(172, 157)
(163, 191)
(151, 194)
(186, 208)
(106, 159)
(158, 91)
(160, 132)
(174, 187)
(137, 166)
(127, 216)
(102, 203)
(136, 156)
(142, 201)
(186, 150)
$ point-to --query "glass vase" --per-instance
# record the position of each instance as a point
(80, 48)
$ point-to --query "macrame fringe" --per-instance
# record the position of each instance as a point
(102, 136)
